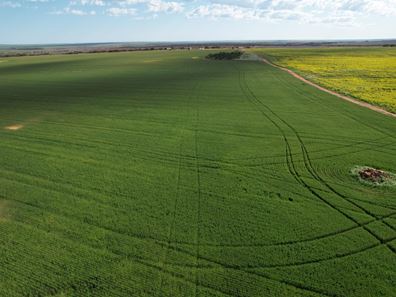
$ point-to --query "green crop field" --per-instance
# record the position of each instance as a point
(162, 173)
(366, 73)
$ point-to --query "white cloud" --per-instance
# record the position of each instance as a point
(77, 12)
(11, 4)
(131, 2)
(88, 2)
(216, 11)
(341, 12)
(385, 7)
(303, 11)
(381, 7)
(118, 11)
(163, 6)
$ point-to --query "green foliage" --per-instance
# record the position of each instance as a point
(366, 73)
(225, 55)
(164, 174)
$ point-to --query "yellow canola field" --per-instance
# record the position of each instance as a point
(368, 74)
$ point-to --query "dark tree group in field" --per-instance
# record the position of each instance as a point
(225, 55)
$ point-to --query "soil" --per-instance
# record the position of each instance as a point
(373, 175)
(14, 127)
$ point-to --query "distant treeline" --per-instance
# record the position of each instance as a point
(66, 51)
(20, 52)
(225, 55)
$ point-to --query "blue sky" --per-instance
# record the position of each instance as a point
(69, 21)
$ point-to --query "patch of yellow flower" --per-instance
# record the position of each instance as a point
(368, 74)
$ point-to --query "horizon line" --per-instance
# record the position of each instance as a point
(206, 41)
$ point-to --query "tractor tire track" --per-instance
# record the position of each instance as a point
(173, 222)
(170, 244)
(283, 265)
(199, 215)
(223, 265)
(294, 172)
(313, 98)
(316, 176)
(347, 98)
(290, 242)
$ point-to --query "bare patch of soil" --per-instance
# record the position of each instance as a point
(14, 127)
(374, 176)
(151, 61)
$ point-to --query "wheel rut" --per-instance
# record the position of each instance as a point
(310, 170)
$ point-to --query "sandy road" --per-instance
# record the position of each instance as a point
(347, 98)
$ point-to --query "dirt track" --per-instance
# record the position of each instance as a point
(350, 99)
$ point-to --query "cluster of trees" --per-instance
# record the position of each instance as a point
(225, 55)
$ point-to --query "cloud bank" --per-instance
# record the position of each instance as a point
(341, 12)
